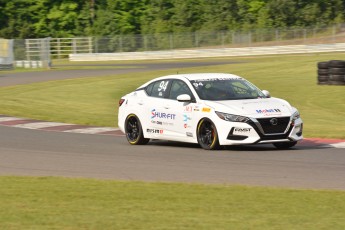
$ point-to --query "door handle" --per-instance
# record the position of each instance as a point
(140, 103)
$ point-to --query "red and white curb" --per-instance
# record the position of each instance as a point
(84, 129)
(57, 126)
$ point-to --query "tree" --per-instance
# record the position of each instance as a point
(221, 15)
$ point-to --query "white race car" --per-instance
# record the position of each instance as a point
(212, 109)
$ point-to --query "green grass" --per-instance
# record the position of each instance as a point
(61, 203)
(93, 101)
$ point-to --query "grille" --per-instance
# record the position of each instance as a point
(269, 128)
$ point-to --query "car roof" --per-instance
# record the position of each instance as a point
(195, 76)
(200, 76)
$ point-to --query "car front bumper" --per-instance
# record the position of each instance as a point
(254, 132)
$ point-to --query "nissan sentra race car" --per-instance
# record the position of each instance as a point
(212, 109)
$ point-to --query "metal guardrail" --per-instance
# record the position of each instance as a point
(6, 67)
(221, 52)
(38, 50)
(60, 48)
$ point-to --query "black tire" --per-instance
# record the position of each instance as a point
(337, 71)
(207, 135)
(322, 65)
(336, 64)
(285, 145)
(336, 82)
(333, 77)
(323, 71)
(134, 131)
(323, 78)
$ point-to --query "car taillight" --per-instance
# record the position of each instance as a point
(121, 101)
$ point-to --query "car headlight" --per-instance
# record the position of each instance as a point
(232, 117)
(295, 116)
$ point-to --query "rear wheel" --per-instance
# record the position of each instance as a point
(134, 131)
(285, 145)
(207, 135)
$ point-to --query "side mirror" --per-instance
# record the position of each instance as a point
(184, 98)
(266, 93)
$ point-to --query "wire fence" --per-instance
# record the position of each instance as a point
(216, 39)
(60, 48)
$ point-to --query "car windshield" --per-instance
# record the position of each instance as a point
(216, 89)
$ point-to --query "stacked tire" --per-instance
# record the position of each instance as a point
(322, 73)
(331, 72)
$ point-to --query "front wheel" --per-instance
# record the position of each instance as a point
(207, 135)
(285, 145)
(134, 131)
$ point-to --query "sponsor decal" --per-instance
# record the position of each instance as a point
(188, 109)
(214, 79)
(186, 118)
(168, 116)
(196, 108)
(161, 123)
(241, 131)
(207, 110)
(268, 111)
(157, 131)
(189, 134)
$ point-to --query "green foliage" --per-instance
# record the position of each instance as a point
(67, 18)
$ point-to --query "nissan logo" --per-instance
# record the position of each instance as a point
(274, 121)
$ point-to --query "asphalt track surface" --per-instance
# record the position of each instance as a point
(8, 79)
(43, 153)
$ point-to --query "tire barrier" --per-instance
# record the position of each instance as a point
(6, 67)
(331, 72)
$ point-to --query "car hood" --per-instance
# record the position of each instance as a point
(257, 108)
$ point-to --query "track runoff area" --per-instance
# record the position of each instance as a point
(94, 130)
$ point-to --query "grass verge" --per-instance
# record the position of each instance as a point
(93, 101)
(62, 203)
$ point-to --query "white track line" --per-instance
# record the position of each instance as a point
(40, 125)
(338, 145)
(2, 119)
(93, 130)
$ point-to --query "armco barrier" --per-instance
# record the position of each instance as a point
(29, 64)
(6, 66)
(198, 53)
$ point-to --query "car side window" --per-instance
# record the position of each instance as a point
(179, 87)
(148, 89)
(160, 88)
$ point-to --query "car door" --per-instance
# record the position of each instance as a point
(157, 119)
(183, 111)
